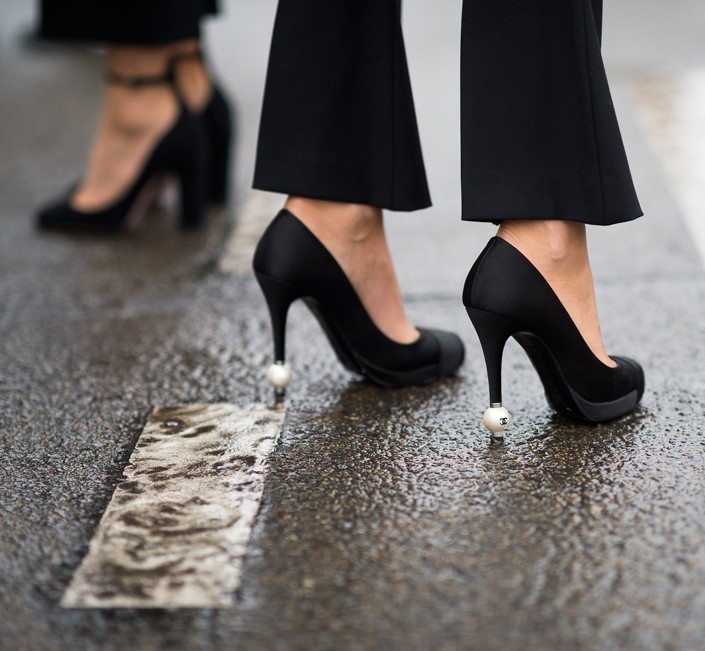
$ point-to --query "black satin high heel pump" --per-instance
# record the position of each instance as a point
(180, 152)
(506, 296)
(218, 119)
(291, 263)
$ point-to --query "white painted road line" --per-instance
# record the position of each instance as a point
(176, 530)
(258, 209)
(672, 108)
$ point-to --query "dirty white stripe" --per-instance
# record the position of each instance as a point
(253, 216)
(175, 532)
(673, 111)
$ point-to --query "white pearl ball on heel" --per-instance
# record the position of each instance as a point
(279, 375)
(496, 419)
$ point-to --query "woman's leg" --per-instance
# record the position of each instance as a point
(146, 38)
(339, 136)
(354, 234)
(132, 122)
(134, 119)
(193, 79)
(338, 120)
(171, 24)
(136, 22)
(542, 152)
(540, 138)
(558, 249)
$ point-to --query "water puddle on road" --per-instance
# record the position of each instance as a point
(176, 530)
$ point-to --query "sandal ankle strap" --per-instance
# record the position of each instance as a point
(139, 81)
(193, 55)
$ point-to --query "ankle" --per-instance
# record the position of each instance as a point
(348, 222)
(133, 109)
(354, 236)
(558, 250)
(194, 84)
(139, 61)
(548, 243)
(136, 112)
(192, 76)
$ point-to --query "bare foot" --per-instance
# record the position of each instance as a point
(134, 119)
(558, 249)
(354, 235)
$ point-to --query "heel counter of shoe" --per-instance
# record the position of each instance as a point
(289, 252)
(269, 246)
(477, 277)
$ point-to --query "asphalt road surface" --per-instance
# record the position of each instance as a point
(387, 519)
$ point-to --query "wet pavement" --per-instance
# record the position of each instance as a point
(388, 520)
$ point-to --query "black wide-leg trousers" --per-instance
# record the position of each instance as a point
(539, 135)
(129, 22)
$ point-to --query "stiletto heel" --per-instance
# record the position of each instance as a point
(506, 296)
(279, 297)
(180, 151)
(291, 263)
(493, 332)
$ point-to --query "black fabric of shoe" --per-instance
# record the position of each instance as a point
(291, 263)
(505, 295)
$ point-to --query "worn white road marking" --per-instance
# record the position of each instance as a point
(175, 532)
(673, 111)
(258, 209)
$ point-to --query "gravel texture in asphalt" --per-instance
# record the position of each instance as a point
(389, 521)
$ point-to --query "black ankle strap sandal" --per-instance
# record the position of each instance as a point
(180, 153)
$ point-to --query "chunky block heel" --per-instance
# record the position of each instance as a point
(218, 120)
(219, 124)
(191, 173)
(506, 296)
(192, 208)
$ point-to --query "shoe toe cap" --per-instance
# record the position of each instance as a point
(451, 351)
(637, 371)
(51, 216)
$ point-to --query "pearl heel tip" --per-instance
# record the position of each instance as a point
(279, 376)
(496, 419)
